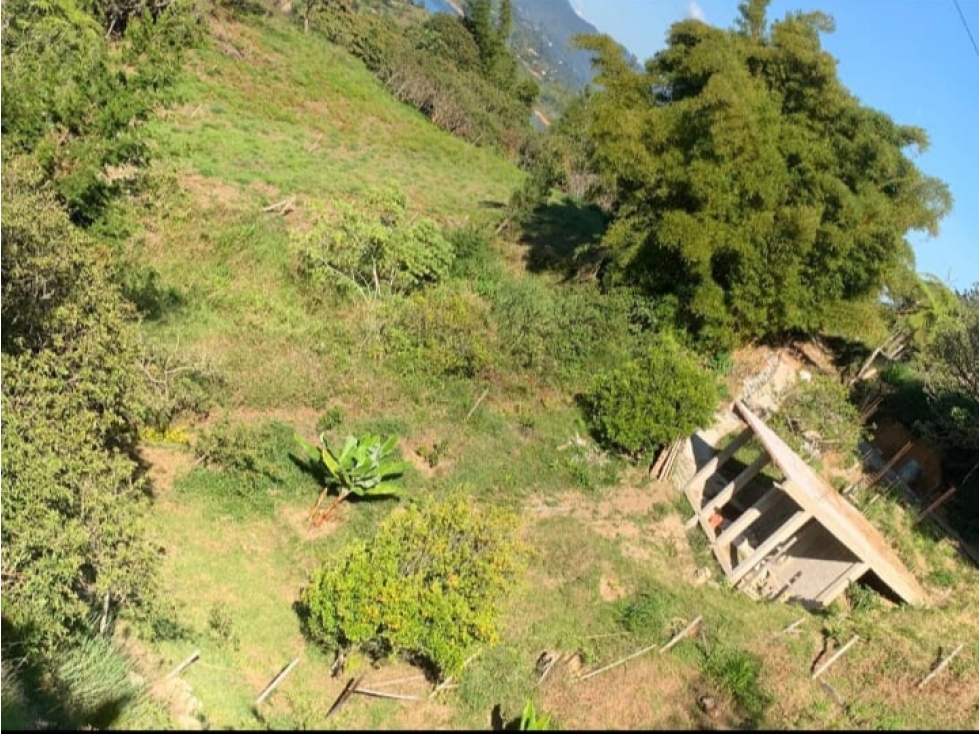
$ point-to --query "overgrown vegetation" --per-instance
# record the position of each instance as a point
(651, 401)
(427, 585)
(182, 297)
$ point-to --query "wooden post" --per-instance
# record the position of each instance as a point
(941, 666)
(934, 505)
(476, 405)
(276, 681)
(344, 695)
(836, 656)
(185, 664)
(889, 465)
(681, 634)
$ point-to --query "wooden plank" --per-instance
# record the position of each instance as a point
(382, 694)
(276, 681)
(793, 524)
(836, 656)
(941, 666)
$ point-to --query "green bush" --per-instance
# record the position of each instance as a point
(371, 248)
(652, 400)
(73, 396)
(738, 672)
(427, 586)
(442, 331)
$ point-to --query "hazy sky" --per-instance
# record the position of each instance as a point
(912, 59)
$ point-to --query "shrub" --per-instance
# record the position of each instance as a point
(652, 400)
(427, 585)
(445, 331)
(372, 247)
(738, 672)
(73, 502)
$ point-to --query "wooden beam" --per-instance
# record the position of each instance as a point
(837, 587)
(719, 459)
(941, 666)
(735, 485)
(764, 503)
(836, 656)
(793, 524)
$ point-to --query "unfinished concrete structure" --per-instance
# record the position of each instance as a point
(796, 538)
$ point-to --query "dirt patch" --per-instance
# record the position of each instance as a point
(298, 519)
(178, 696)
(164, 465)
(611, 588)
(646, 693)
(212, 191)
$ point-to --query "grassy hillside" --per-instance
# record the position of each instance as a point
(267, 114)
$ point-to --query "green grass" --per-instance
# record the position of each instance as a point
(237, 549)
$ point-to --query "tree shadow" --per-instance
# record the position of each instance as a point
(143, 288)
(847, 354)
(564, 237)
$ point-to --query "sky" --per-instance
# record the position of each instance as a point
(911, 59)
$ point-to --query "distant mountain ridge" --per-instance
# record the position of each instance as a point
(542, 39)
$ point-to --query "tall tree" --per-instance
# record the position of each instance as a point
(751, 183)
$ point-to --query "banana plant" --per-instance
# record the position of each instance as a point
(532, 720)
(360, 468)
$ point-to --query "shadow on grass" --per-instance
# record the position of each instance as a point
(564, 237)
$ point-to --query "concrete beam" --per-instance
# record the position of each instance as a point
(717, 461)
(841, 584)
(788, 528)
(735, 485)
(764, 503)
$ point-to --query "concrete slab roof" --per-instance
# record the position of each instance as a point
(845, 522)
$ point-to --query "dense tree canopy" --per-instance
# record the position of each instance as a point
(750, 182)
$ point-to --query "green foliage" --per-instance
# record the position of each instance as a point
(333, 418)
(738, 672)
(819, 412)
(463, 82)
(442, 331)
(531, 720)
(372, 248)
(428, 585)
(751, 183)
(651, 400)
(76, 100)
(73, 397)
(361, 467)
(243, 468)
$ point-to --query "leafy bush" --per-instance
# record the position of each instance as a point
(427, 585)
(652, 400)
(444, 331)
(243, 467)
(73, 395)
(75, 99)
(372, 247)
(531, 720)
